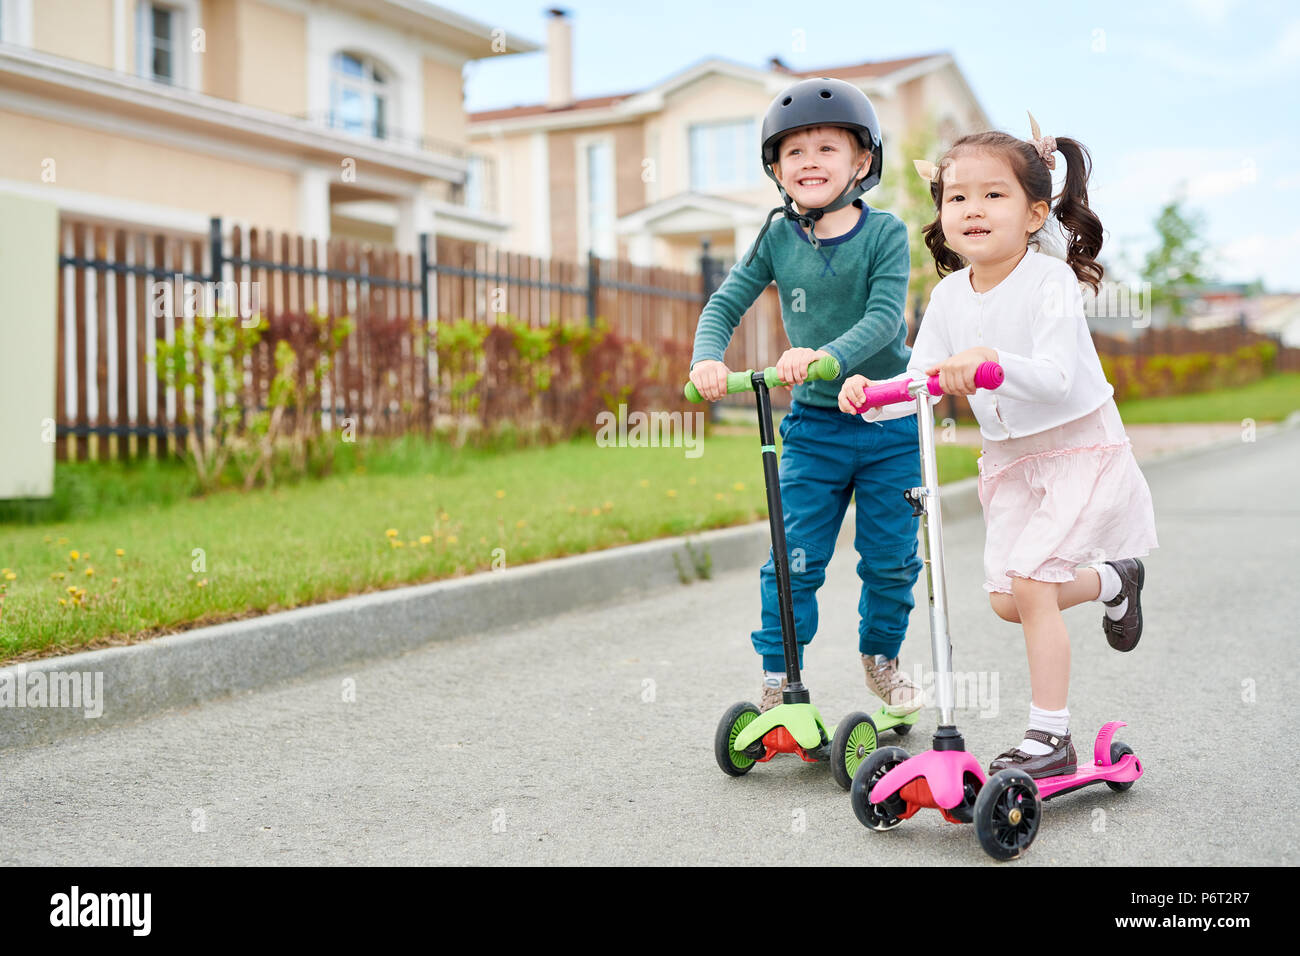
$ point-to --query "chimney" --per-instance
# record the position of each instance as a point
(559, 52)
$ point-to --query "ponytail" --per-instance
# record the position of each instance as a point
(1079, 223)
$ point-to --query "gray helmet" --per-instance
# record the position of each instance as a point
(820, 101)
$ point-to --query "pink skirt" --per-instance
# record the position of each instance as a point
(1065, 497)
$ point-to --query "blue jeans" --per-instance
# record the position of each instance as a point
(826, 457)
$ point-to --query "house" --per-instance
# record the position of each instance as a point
(318, 117)
(645, 175)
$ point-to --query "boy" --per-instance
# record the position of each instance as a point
(841, 269)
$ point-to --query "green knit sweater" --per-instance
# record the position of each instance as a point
(845, 298)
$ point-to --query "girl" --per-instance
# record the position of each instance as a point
(1058, 481)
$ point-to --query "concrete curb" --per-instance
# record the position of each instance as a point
(209, 663)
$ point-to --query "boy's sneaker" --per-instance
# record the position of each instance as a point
(771, 694)
(900, 695)
(1123, 634)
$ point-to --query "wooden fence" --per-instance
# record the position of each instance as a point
(111, 400)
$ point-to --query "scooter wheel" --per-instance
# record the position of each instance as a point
(877, 816)
(902, 729)
(735, 720)
(855, 741)
(1007, 813)
(1118, 750)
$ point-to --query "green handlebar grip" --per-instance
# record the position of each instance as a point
(822, 370)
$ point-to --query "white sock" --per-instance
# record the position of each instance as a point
(882, 659)
(773, 678)
(1110, 586)
(1049, 722)
(1110, 582)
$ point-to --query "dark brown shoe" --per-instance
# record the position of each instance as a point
(1062, 759)
(1123, 634)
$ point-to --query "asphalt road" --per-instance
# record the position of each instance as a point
(588, 738)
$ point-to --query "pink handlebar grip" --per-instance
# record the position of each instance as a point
(988, 375)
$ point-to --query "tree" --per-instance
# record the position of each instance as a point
(1176, 265)
(907, 196)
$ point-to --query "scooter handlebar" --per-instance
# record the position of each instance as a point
(988, 375)
(822, 370)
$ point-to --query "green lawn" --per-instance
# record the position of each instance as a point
(1268, 400)
(188, 561)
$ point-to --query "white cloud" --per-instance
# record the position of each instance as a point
(1276, 62)
(1158, 175)
(1272, 256)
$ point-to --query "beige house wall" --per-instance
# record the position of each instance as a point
(78, 29)
(710, 100)
(268, 35)
(125, 168)
(516, 173)
(563, 164)
(444, 103)
(221, 61)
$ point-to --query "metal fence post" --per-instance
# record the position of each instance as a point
(428, 339)
(593, 286)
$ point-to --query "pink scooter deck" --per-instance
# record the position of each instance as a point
(1101, 769)
(943, 773)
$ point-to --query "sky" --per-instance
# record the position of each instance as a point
(1191, 98)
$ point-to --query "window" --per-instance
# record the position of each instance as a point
(475, 182)
(359, 95)
(724, 156)
(600, 199)
(159, 42)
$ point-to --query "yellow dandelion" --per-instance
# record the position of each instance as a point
(692, 480)
(120, 553)
(74, 555)
(10, 576)
(117, 580)
(71, 589)
(425, 538)
(482, 540)
(572, 508)
(520, 523)
(719, 496)
(90, 572)
(57, 576)
(63, 601)
(608, 505)
(738, 486)
(62, 541)
(500, 493)
(398, 544)
(644, 483)
(203, 583)
(595, 512)
(391, 532)
(672, 492)
(444, 516)
(452, 539)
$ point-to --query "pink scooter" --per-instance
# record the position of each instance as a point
(890, 785)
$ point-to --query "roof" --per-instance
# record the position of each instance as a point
(869, 69)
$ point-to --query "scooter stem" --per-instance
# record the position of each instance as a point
(928, 495)
(795, 692)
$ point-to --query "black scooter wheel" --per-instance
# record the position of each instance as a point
(1007, 813)
(735, 720)
(854, 742)
(1118, 750)
(877, 816)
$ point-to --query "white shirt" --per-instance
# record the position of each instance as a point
(1034, 320)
